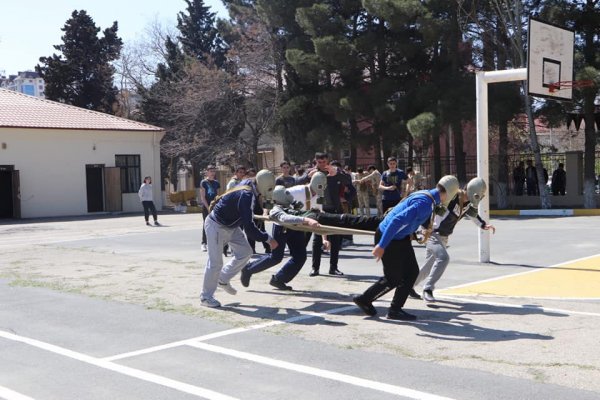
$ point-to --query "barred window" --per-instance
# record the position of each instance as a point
(131, 178)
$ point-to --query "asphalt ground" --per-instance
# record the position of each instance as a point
(97, 308)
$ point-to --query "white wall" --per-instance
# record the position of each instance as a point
(52, 165)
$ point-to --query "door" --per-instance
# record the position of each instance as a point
(112, 187)
(94, 181)
(16, 194)
(6, 193)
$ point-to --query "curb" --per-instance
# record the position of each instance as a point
(560, 212)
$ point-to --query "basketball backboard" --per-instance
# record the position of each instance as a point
(550, 54)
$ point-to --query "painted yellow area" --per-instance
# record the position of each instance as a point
(504, 212)
(583, 212)
(576, 279)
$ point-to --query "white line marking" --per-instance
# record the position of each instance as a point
(227, 332)
(519, 273)
(525, 306)
(8, 394)
(135, 373)
(321, 373)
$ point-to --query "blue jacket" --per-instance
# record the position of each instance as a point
(406, 216)
(235, 210)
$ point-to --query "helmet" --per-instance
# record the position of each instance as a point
(265, 183)
(476, 190)
(281, 196)
(318, 184)
(450, 185)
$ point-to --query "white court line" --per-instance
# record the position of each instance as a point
(321, 373)
(227, 332)
(519, 273)
(8, 394)
(135, 373)
(525, 306)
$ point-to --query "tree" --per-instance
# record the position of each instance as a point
(83, 74)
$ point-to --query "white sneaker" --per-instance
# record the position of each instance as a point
(227, 288)
(428, 296)
(204, 248)
(210, 302)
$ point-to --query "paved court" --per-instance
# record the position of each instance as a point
(108, 308)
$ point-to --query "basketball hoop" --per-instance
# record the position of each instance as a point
(556, 86)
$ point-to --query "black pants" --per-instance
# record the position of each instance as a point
(149, 207)
(261, 226)
(387, 204)
(400, 271)
(334, 252)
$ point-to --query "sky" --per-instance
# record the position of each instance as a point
(29, 30)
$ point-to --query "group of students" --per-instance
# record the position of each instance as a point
(313, 201)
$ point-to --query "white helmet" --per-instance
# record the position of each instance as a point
(281, 196)
(265, 183)
(318, 184)
(476, 190)
(451, 186)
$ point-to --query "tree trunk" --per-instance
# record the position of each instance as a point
(437, 166)
(459, 154)
(544, 198)
(352, 142)
(589, 157)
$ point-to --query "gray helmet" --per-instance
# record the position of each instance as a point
(265, 183)
(451, 185)
(476, 189)
(281, 196)
(318, 184)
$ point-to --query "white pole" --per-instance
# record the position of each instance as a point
(483, 171)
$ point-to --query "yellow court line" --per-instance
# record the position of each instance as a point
(575, 280)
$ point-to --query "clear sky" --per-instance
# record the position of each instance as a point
(29, 30)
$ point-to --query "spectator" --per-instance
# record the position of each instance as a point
(209, 189)
(146, 197)
(559, 180)
(391, 184)
(285, 179)
(531, 179)
(362, 192)
(240, 173)
(519, 178)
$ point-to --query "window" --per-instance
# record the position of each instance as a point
(131, 178)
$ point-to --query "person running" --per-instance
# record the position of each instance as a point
(228, 214)
(463, 204)
(393, 247)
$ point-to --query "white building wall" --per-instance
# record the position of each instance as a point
(52, 165)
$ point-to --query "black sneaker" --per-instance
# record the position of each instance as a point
(400, 315)
(148, 223)
(245, 277)
(278, 284)
(156, 223)
(414, 295)
(335, 272)
(314, 272)
(366, 307)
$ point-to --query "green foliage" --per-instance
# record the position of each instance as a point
(82, 75)
(422, 125)
(305, 64)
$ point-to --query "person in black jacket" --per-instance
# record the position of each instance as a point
(559, 180)
(336, 182)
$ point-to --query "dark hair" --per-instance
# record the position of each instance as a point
(336, 163)
(251, 170)
(392, 159)
(371, 167)
(409, 170)
(560, 165)
(210, 166)
(240, 167)
(300, 171)
(359, 170)
(321, 156)
(147, 177)
(284, 163)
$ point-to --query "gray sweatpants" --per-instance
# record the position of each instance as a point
(217, 236)
(436, 261)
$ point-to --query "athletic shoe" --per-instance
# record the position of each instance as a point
(366, 307)
(428, 296)
(245, 277)
(414, 295)
(335, 272)
(314, 272)
(148, 223)
(210, 302)
(156, 223)
(400, 315)
(227, 288)
(278, 284)
(204, 248)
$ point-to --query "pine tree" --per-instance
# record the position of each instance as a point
(82, 75)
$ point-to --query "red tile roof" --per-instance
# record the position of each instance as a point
(22, 111)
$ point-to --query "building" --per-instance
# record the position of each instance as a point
(26, 82)
(60, 160)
